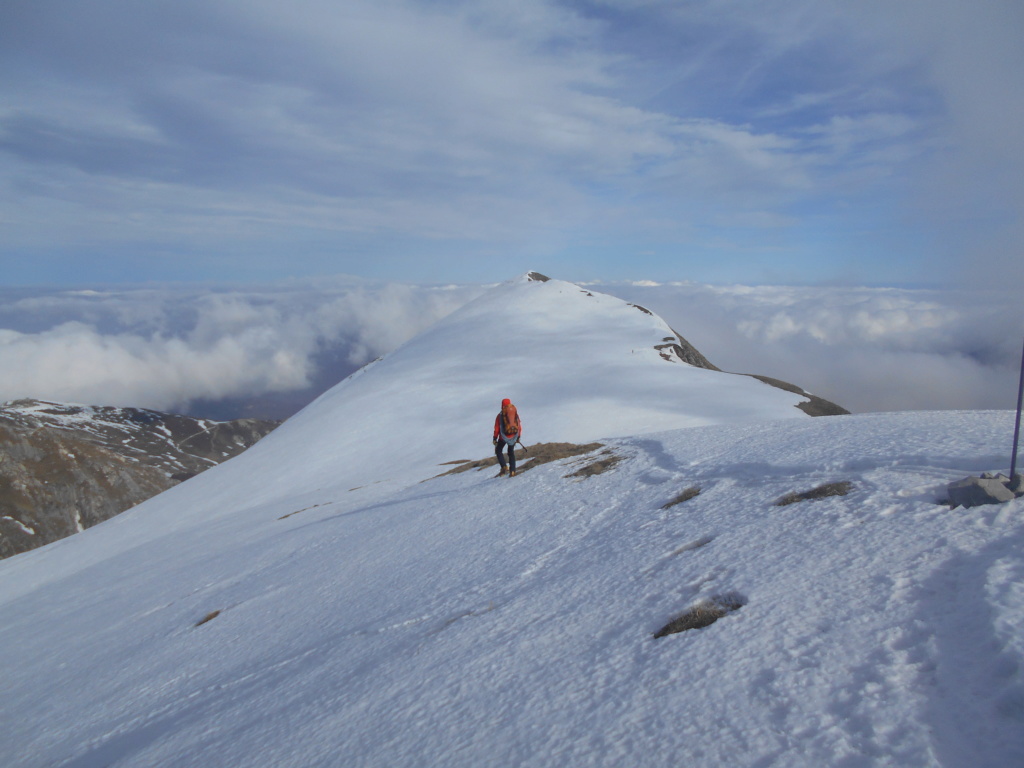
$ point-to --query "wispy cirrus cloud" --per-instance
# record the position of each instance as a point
(417, 140)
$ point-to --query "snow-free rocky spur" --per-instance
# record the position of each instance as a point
(334, 596)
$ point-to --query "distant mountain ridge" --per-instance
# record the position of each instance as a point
(64, 468)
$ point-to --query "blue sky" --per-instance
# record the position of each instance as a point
(871, 142)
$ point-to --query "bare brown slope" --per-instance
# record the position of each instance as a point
(64, 468)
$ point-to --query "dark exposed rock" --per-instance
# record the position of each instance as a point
(684, 351)
(813, 406)
(64, 468)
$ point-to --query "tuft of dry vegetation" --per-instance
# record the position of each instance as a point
(703, 614)
(605, 461)
(285, 517)
(691, 492)
(526, 458)
(841, 488)
(208, 617)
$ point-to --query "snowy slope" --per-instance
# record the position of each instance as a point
(580, 365)
(304, 616)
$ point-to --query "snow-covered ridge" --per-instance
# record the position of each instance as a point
(582, 365)
(332, 597)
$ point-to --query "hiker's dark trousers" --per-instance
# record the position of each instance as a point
(511, 453)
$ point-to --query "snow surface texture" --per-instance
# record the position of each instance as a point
(297, 617)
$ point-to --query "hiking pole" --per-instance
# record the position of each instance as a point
(1016, 427)
(525, 449)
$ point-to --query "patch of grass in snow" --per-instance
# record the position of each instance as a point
(208, 617)
(605, 461)
(283, 517)
(686, 495)
(821, 492)
(703, 614)
(531, 456)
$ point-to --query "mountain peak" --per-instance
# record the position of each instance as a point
(580, 365)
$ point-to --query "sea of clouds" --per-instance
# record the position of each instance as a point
(868, 349)
(227, 351)
(209, 351)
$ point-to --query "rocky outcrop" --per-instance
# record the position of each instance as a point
(987, 489)
(812, 406)
(677, 349)
(64, 468)
(680, 349)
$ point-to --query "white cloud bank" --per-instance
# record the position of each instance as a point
(868, 349)
(75, 362)
(165, 349)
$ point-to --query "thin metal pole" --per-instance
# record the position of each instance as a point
(1016, 428)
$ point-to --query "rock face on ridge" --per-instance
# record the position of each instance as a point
(678, 349)
(64, 468)
(813, 406)
(675, 348)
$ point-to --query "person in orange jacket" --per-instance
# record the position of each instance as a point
(507, 431)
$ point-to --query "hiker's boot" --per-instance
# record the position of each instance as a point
(501, 472)
(511, 473)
